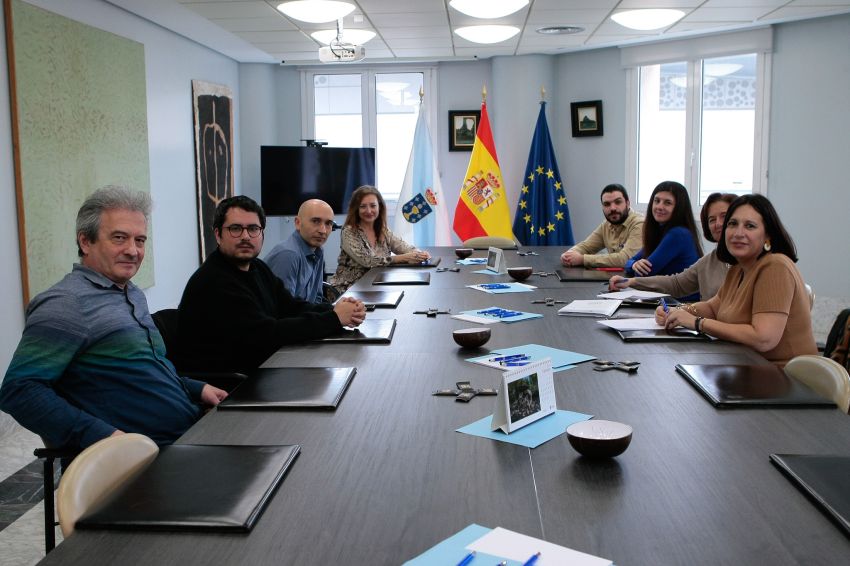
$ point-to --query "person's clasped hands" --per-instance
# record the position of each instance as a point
(350, 311)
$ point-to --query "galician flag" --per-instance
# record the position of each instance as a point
(542, 215)
(482, 207)
(421, 217)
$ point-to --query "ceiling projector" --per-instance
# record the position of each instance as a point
(341, 53)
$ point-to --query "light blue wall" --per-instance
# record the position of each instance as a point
(809, 167)
(588, 164)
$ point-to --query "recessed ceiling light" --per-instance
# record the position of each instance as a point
(560, 30)
(488, 8)
(487, 34)
(353, 36)
(316, 11)
(647, 20)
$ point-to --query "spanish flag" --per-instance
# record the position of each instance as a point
(482, 208)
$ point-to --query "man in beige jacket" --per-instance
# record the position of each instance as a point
(621, 234)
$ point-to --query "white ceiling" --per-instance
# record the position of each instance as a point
(421, 30)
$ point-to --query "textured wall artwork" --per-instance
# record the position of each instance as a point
(80, 122)
(213, 106)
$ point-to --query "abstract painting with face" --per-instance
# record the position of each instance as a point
(213, 110)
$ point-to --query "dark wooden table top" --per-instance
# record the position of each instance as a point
(385, 476)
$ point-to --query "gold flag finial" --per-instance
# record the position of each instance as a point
(542, 93)
(484, 93)
(421, 93)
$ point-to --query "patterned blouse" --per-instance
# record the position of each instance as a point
(357, 256)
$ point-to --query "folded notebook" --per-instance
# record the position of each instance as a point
(580, 274)
(431, 262)
(402, 277)
(376, 331)
(381, 299)
(825, 479)
(663, 335)
(290, 388)
(197, 488)
(749, 386)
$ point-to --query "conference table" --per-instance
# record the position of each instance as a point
(385, 476)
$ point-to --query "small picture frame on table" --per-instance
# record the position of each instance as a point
(463, 126)
(586, 118)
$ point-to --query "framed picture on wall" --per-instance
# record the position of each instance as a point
(587, 118)
(463, 125)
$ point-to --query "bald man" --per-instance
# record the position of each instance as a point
(299, 260)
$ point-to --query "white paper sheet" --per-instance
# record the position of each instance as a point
(631, 294)
(516, 546)
(602, 307)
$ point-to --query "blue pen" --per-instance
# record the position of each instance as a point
(514, 364)
(621, 283)
(509, 358)
(531, 560)
(664, 306)
(467, 559)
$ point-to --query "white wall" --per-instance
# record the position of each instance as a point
(171, 62)
(809, 167)
(588, 164)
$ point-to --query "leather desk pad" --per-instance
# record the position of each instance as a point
(290, 388)
(197, 488)
(402, 277)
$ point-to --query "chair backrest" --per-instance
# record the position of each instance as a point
(826, 377)
(838, 341)
(484, 242)
(166, 322)
(98, 471)
(811, 293)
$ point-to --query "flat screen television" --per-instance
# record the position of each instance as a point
(289, 175)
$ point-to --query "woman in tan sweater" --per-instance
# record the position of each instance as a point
(763, 302)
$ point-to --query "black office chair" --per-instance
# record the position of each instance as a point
(50, 455)
(166, 323)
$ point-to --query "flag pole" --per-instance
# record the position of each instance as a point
(421, 93)
(542, 94)
(483, 93)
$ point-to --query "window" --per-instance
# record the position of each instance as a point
(701, 120)
(368, 108)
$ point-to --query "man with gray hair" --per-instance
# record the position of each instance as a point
(91, 362)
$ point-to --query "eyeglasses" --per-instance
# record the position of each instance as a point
(236, 230)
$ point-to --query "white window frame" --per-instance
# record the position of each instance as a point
(693, 51)
(368, 100)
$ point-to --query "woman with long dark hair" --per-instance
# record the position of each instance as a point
(670, 240)
(706, 275)
(366, 240)
(763, 302)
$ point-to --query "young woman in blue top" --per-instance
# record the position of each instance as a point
(670, 240)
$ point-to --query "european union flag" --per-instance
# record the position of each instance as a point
(542, 215)
(416, 209)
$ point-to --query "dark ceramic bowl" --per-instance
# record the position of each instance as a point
(471, 337)
(599, 439)
(463, 252)
(520, 273)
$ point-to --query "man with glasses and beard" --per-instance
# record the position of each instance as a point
(620, 235)
(235, 312)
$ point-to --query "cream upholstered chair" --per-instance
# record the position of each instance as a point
(98, 471)
(811, 293)
(824, 376)
(484, 242)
